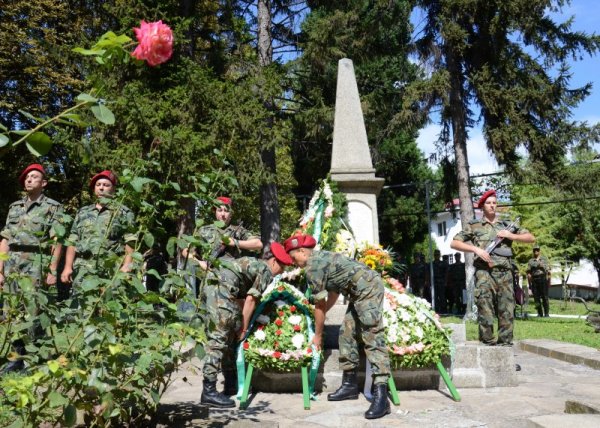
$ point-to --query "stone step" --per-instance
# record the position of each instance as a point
(564, 420)
(581, 407)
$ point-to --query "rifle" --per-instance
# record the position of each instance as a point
(492, 247)
(220, 249)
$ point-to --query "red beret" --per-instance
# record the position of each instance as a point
(483, 198)
(299, 241)
(225, 200)
(280, 254)
(32, 167)
(109, 175)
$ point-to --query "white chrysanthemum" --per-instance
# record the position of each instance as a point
(295, 319)
(421, 317)
(263, 319)
(386, 321)
(418, 332)
(405, 315)
(404, 299)
(279, 303)
(298, 340)
(260, 335)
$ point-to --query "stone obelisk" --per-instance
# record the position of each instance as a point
(351, 165)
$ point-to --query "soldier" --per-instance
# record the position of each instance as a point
(247, 278)
(538, 277)
(440, 267)
(30, 239)
(329, 274)
(455, 284)
(494, 293)
(101, 234)
(419, 277)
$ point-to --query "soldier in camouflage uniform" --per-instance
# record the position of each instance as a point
(538, 277)
(30, 239)
(244, 278)
(329, 275)
(102, 235)
(494, 293)
(455, 284)
(419, 278)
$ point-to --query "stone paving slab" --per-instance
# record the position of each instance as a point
(544, 385)
(575, 354)
(565, 421)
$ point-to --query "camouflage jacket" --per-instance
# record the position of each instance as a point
(90, 233)
(251, 276)
(213, 235)
(538, 267)
(332, 272)
(35, 223)
(481, 233)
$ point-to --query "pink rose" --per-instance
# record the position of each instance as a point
(155, 42)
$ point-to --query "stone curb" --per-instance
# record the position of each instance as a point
(570, 353)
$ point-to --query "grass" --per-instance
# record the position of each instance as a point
(571, 330)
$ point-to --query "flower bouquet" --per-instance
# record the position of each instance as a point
(414, 335)
(375, 257)
(281, 332)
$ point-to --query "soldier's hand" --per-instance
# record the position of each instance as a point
(66, 275)
(483, 254)
(50, 279)
(317, 341)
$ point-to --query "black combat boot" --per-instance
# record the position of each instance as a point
(348, 390)
(231, 382)
(211, 397)
(380, 405)
(17, 365)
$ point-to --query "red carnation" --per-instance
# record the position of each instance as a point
(280, 313)
(246, 345)
(281, 288)
(278, 332)
(292, 308)
(309, 350)
(276, 345)
(305, 302)
(277, 354)
(296, 328)
(278, 322)
(260, 327)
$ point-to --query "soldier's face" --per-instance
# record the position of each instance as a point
(34, 182)
(276, 267)
(489, 207)
(104, 188)
(299, 256)
(223, 213)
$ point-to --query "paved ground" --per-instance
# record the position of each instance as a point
(545, 386)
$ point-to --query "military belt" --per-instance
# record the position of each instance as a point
(28, 248)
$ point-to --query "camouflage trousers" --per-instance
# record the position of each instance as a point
(25, 278)
(494, 296)
(222, 320)
(363, 323)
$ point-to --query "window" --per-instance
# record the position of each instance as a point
(442, 229)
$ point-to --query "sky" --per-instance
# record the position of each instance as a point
(586, 17)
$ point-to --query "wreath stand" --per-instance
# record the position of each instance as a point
(309, 372)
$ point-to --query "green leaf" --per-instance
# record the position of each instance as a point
(3, 128)
(103, 114)
(199, 351)
(39, 143)
(16, 424)
(29, 116)
(138, 182)
(4, 140)
(53, 366)
(70, 414)
(90, 283)
(88, 52)
(86, 98)
(148, 239)
(44, 320)
(171, 245)
(57, 399)
(175, 186)
(115, 349)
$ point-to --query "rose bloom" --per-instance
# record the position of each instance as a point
(298, 341)
(246, 345)
(277, 354)
(292, 308)
(309, 350)
(280, 313)
(278, 332)
(278, 322)
(155, 42)
(297, 328)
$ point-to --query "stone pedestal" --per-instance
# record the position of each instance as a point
(351, 165)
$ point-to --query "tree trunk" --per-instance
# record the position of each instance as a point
(269, 209)
(457, 112)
